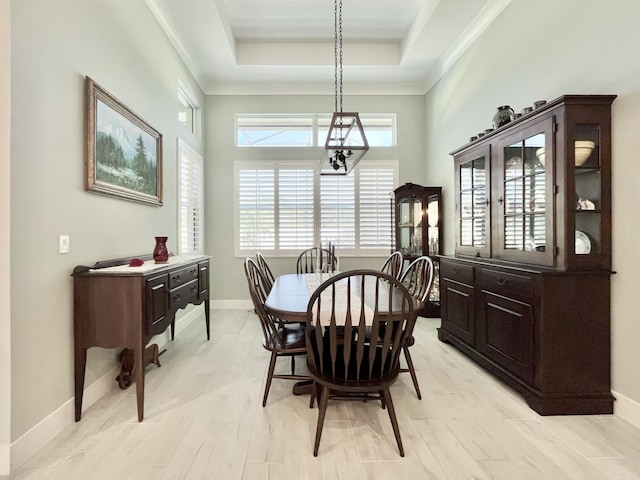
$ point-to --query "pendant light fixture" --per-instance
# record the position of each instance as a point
(346, 142)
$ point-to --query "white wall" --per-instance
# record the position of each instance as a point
(541, 50)
(221, 153)
(53, 46)
(5, 244)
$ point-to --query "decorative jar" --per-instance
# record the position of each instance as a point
(160, 252)
(503, 116)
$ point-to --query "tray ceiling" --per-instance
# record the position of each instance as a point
(287, 46)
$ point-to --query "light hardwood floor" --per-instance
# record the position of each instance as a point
(204, 420)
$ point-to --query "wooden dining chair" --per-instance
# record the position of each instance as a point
(317, 260)
(279, 338)
(266, 271)
(418, 278)
(341, 360)
(393, 264)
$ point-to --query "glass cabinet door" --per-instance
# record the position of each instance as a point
(433, 221)
(587, 174)
(410, 226)
(524, 214)
(472, 194)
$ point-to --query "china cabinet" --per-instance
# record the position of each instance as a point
(418, 218)
(527, 293)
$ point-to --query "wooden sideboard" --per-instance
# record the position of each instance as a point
(116, 305)
(543, 331)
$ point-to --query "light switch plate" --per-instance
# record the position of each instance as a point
(63, 244)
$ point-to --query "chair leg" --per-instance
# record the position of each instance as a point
(272, 366)
(394, 420)
(322, 409)
(293, 364)
(314, 393)
(412, 371)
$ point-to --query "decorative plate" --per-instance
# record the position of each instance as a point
(583, 243)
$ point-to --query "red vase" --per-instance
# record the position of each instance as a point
(160, 253)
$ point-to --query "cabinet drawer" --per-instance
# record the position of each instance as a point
(507, 284)
(457, 272)
(183, 295)
(183, 275)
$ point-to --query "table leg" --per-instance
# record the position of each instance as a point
(303, 388)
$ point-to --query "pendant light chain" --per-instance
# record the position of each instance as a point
(337, 54)
(346, 141)
(340, 40)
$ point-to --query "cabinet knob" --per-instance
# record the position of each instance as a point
(501, 281)
(500, 200)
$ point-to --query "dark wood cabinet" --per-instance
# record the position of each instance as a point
(120, 306)
(418, 231)
(527, 294)
(505, 320)
(157, 297)
(457, 300)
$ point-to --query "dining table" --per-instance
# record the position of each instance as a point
(290, 294)
(288, 300)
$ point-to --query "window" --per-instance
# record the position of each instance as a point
(190, 200)
(379, 129)
(285, 207)
(288, 130)
(274, 131)
(186, 111)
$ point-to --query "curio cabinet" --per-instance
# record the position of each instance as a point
(418, 231)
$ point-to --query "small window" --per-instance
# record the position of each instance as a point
(380, 129)
(289, 130)
(274, 131)
(186, 111)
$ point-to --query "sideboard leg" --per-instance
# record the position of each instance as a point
(80, 361)
(207, 318)
(138, 362)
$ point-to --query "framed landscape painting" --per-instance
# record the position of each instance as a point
(124, 153)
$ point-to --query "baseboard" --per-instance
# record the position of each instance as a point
(5, 462)
(39, 435)
(626, 409)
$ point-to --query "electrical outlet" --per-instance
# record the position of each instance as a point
(63, 244)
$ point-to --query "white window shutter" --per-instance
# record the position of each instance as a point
(190, 199)
(256, 209)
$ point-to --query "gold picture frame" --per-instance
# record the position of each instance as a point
(123, 152)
